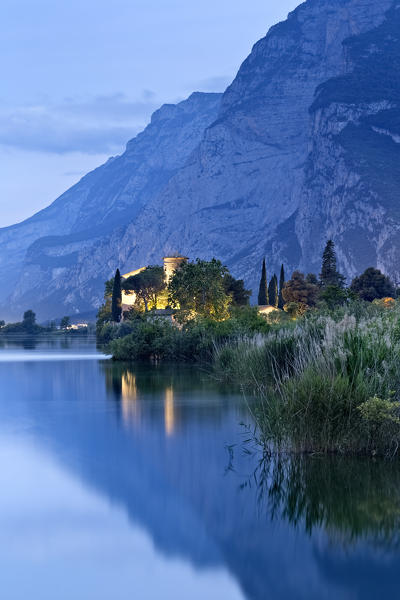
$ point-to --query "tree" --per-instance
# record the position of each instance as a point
(104, 313)
(263, 290)
(116, 302)
(281, 284)
(299, 290)
(29, 321)
(147, 285)
(108, 288)
(372, 284)
(65, 322)
(334, 295)
(329, 274)
(2, 323)
(197, 288)
(273, 294)
(295, 309)
(235, 288)
(312, 278)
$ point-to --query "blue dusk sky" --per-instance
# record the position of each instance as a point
(79, 78)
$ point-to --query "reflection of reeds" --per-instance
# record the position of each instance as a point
(350, 499)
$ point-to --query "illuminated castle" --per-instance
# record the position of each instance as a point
(170, 264)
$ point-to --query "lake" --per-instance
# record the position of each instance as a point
(134, 481)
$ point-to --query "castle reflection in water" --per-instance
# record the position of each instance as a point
(130, 403)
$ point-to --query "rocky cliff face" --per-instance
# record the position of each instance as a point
(352, 181)
(303, 145)
(54, 261)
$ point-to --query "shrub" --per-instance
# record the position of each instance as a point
(109, 331)
(148, 337)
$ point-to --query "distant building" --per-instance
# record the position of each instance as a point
(267, 309)
(76, 326)
(170, 264)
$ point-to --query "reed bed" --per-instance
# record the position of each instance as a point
(331, 383)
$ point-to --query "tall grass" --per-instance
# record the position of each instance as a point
(331, 383)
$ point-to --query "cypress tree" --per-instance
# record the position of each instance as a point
(273, 292)
(263, 291)
(116, 303)
(281, 284)
(276, 292)
(329, 274)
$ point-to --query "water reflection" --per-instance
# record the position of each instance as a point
(352, 500)
(185, 393)
(146, 449)
(26, 342)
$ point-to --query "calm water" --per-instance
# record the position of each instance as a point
(133, 482)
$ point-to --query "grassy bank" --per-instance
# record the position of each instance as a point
(331, 383)
(145, 337)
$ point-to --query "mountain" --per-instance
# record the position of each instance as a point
(352, 179)
(45, 261)
(302, 146)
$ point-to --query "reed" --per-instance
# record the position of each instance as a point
(329, 384)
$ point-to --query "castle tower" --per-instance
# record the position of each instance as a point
(171, 263)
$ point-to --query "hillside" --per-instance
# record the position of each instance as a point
(303, 145)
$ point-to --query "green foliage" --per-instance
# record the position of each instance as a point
(253, 360)
(312, 278)
(281, 284)
(235, 288)
(273, 294)
(329, 275)
(158, 339)
(321, 382)
(108, 288)
(29, 320)
(27, 326)
(65, 322)
(103, 314)
(381, 423)
(333, 295)
(116, 301)
(376, 412)
(247, 320)
(300, 291)
(197, 289)
(295, 309)
(372, 284)
(148, 285)
(263, 299)
(149, 339)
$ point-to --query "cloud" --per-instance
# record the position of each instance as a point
(102, 124)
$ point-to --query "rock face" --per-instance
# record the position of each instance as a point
(302, 146)
(57, 261)
(352, 179)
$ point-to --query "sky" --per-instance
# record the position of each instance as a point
(79, 78)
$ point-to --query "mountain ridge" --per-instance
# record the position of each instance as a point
(264, 169)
